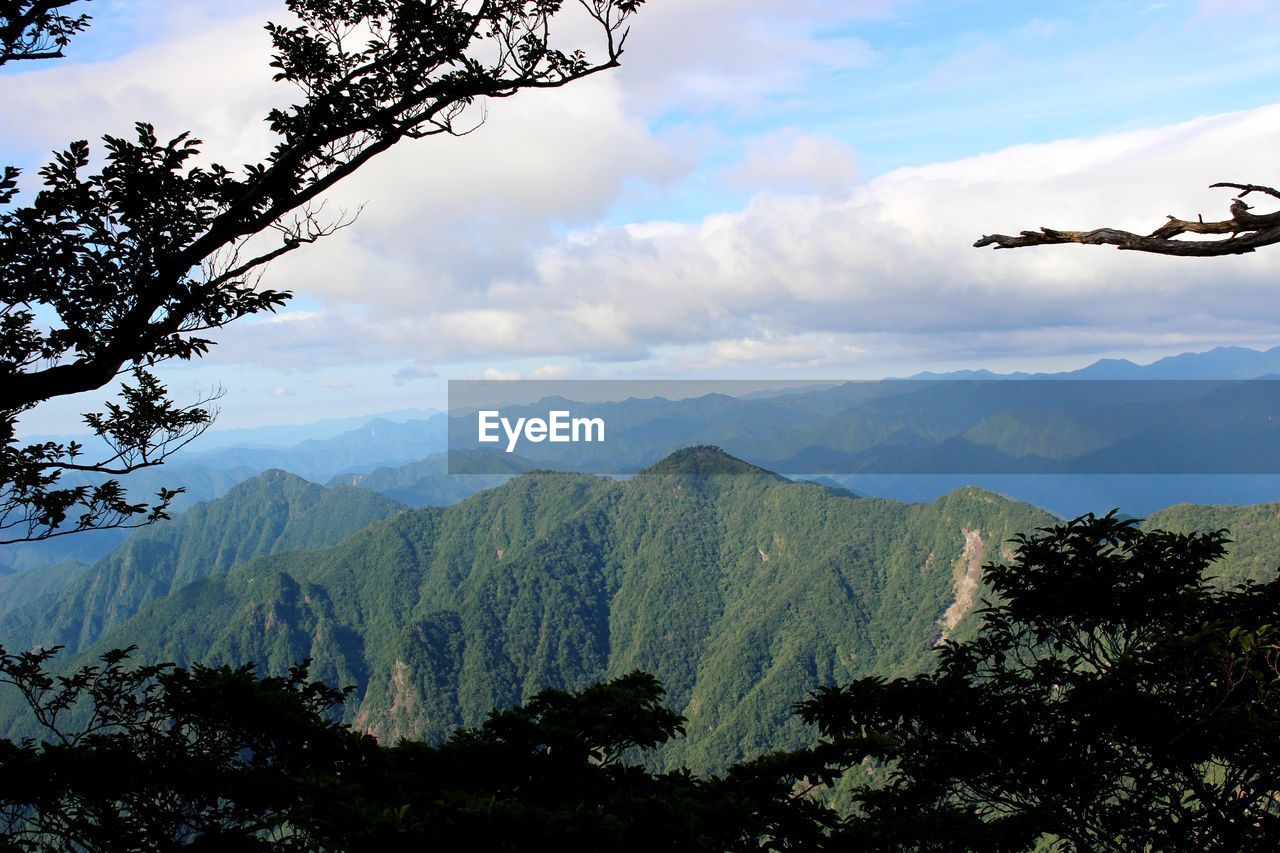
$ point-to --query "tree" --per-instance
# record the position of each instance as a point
(1114, 699)
(1248, 231)
(37, 29)
(105, 275)
(163, 756)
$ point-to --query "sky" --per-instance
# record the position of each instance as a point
(765, 189)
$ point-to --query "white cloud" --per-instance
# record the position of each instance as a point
(550, 371)
(212, 80)
(812, 280)
(413, 372)
(796, 162)
(467, 251)
(712, 54)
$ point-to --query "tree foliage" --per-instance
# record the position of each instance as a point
(106, 273)
(37, 29)
(220, 758)
(1114, 699)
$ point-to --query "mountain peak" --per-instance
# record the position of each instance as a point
(707, 459)
(272, 479)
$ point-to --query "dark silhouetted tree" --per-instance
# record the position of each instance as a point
(106, 274)
(1114, 699)
(161, 756)
(38, 29)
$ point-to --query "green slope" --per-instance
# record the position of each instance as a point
(739, 589)
(19, 589)
(1254, 553)
(271, 512)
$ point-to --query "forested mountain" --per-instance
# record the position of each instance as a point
(1254, 551)
(271, 512)
(18, 589)
(740, 589)
(1030, 443)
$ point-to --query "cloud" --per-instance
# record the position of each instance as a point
(701, 55)
(413, 372)
(792, 161)
(888, 268)
(491, 248)
(550, 371)
(281, 391)
(211, 79)
(439, 215)
(1261, 9)
(336, 384)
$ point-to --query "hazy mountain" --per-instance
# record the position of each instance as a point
(428, 482)
(207, 475)
(270, 436)
(376, 443)
(1040, 441)
(1217, 363)
(287, 435)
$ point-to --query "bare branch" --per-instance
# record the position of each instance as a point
(1247, 232)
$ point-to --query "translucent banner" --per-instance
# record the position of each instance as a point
(890, 427)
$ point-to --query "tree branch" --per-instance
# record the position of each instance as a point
(1247, 232)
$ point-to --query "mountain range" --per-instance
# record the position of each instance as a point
(913, 441)
(741, 589)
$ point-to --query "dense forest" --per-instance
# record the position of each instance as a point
(1114, 690)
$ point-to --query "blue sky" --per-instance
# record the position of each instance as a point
(767, 188)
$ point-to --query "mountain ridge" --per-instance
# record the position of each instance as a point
(740, 590)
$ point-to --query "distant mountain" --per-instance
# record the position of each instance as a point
(891, 439)
(207, 475)
(376, 443)
(428, 482)
(739, 589)
(272, 512)
(920, 427)
(1217, 363)
(271, 436)
(288, 435)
